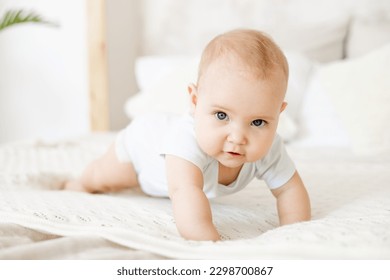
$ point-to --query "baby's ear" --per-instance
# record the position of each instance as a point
(193, 92)
(284, 105)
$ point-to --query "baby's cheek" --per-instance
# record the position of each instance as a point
(209, 144)
(257, 153)
(206, 144)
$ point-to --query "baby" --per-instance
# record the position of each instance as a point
(228, 139)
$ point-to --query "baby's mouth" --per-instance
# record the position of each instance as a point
(234, 154)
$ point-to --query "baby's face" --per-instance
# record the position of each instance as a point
(236, 115)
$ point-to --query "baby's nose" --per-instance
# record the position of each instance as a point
(237, 136)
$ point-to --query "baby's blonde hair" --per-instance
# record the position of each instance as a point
(254, 49)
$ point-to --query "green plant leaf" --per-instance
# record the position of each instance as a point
(13, 17)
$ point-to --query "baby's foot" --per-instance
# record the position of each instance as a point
(73, 185)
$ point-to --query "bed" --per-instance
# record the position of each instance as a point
(334, 129)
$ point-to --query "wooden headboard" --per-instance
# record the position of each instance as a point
(98, 70)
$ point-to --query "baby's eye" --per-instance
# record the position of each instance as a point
(258, 123)
(221, 116)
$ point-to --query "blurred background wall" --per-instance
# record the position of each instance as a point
(43, 73)
(44, 91)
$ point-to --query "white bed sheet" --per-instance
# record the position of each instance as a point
(350, 201)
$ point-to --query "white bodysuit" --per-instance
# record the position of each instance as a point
(149, 138)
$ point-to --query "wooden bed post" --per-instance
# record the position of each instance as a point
(98, 71)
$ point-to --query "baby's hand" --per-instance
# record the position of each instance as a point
(74, 185)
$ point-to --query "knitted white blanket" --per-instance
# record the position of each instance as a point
(350, 200)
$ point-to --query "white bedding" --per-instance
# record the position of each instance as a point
(350, 200)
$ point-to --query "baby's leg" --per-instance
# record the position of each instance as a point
(105, 174)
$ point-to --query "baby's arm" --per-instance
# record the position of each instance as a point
(293, 202)
(191, 208)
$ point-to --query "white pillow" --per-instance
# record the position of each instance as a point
(320, 124)
(317, 28)
(369, 28)
(360, 91)
(320, 40)
(164, 81)
(300, 70)
(151, 69)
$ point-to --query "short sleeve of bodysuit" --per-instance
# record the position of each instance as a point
(180, 141)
